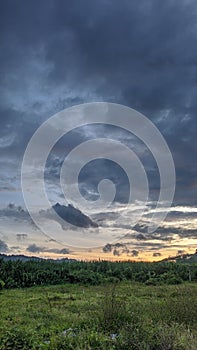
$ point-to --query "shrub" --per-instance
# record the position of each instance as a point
(112, 311)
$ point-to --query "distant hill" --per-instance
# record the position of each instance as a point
(19, 257)
(183, 258)
(28, 258)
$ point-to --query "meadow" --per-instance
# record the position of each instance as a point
(119, 315)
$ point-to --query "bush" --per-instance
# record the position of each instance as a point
(112, 311)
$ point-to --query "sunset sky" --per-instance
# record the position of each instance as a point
(58, 54)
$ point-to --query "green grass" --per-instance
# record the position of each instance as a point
(141, 317)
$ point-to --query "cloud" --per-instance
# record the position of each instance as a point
(33, 248)
(76, 53)
(15, 211)
(69, 215)
(118, 249)
(141, 237)
(134, 252)
(156, 254)
(21, 236)
(167, 232)
(116, 252)
(149, 67)
(180, 252)
(17, 214)
(3, 247)
(107, 248)
(6, 141)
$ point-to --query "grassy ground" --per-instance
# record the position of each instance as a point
(122, 316)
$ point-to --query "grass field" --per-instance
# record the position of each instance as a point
(111, 316)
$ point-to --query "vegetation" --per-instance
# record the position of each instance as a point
(97, 305)
(119, 316)
(22, 274)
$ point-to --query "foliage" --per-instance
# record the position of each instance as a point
(20, 274)
(121, 316)
(137, 336)
(112, 310)
(16, 339)
(2, 284)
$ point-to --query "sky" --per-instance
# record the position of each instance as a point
(58, 54)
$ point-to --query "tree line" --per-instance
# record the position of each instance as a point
(22, 274)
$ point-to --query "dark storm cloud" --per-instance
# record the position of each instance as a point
(91, 175)
(143, 54)
(107, 170)
(66, 215)
(96, 170)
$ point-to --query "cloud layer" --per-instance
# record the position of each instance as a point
(55, 54)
